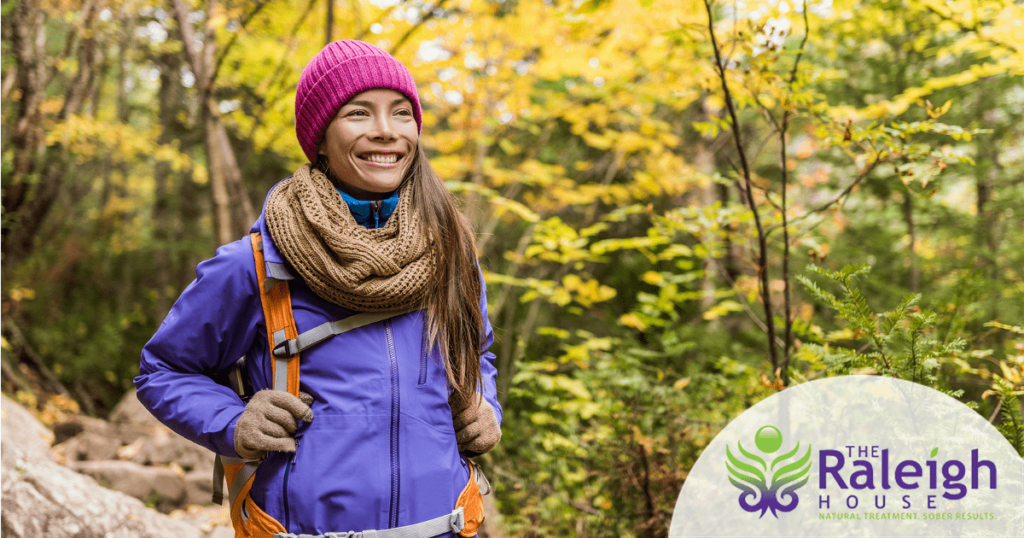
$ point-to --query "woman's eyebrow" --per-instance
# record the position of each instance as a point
(370, 105)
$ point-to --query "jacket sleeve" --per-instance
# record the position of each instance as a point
(212, 325)
(488, 371)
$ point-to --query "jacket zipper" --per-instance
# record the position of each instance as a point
(395, 408)
(375, 206)
(287, 470)
(423, 354)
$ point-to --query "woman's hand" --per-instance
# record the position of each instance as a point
(476, 426)
(269, 422)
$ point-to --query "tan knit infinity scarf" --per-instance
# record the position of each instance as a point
(386, 269)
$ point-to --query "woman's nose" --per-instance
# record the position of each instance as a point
(383, 128)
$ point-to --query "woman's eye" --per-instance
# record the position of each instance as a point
(403, 112)
(357, 113)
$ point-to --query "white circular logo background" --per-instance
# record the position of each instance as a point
(855, 456)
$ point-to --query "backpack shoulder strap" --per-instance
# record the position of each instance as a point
(277, 310)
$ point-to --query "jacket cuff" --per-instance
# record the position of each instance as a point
(227, 447)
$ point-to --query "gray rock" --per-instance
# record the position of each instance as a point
(87, 446)
(222, 532)
(157, 485)
(41, 498)
(131, 411)
(22, 431)
(215, 521)
(78, 424)
(199, 487)
(125, 432)
(164, 447)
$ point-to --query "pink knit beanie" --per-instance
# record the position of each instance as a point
(342, 70)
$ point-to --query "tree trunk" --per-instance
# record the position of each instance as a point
(28, 201)
(224, 174)
(218, 185)
(170, 96)
(704, 161)
(329, 30)
(27, 44)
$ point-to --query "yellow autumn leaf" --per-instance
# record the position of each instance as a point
(630, 320)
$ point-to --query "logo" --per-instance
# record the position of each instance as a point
(767, 486)
(854, 456)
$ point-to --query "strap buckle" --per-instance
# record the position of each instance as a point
(286, 349)
(457, 519)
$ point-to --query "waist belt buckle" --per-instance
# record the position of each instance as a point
(458, 519)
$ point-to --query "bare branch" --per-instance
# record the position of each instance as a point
(743, 300)
(426, 17)
(784, 169)
(188, 39)
(234, 38)
(762, 268)
(845, 192)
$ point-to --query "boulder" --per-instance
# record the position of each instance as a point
(211, 519)
(131, 411)
(222, 532)
(199, 487)
(42, 498)
(165, 447)
(22, 431)
(86, 446)
(125, 432)
(153, 459)
(160, 486)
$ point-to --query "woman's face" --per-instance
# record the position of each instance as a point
(371, 142)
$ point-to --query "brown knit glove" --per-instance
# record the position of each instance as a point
(476, 426)
(269, 421)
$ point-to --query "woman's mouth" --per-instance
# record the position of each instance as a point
(381, 158)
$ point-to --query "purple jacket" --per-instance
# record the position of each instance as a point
(381, 452)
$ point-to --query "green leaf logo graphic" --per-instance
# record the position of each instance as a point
(934, 452)
(767, 486)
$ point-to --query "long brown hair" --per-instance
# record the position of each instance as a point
(455, 321)
(454, 318)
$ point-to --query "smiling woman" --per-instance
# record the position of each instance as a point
(362, 265)
(370, 143)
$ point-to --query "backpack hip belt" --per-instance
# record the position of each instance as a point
(453, 522)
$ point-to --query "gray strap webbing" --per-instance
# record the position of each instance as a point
(278, 271)
(452, 522)
(218, 476)
(289, 348)
(243, 476)
(218, 480)
(281, 368)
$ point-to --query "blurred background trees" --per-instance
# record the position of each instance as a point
(645, 198)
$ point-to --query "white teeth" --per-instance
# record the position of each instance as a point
(390, 158)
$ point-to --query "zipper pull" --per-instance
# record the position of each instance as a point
(296, 454)
(375, 206)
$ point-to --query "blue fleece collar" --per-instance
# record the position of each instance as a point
(371, 213)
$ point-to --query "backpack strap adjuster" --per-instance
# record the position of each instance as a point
(286, 349)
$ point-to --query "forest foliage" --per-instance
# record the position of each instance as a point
(682, 207)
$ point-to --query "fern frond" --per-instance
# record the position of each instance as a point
(1013, 420)
(887, 322)
(819, 293)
